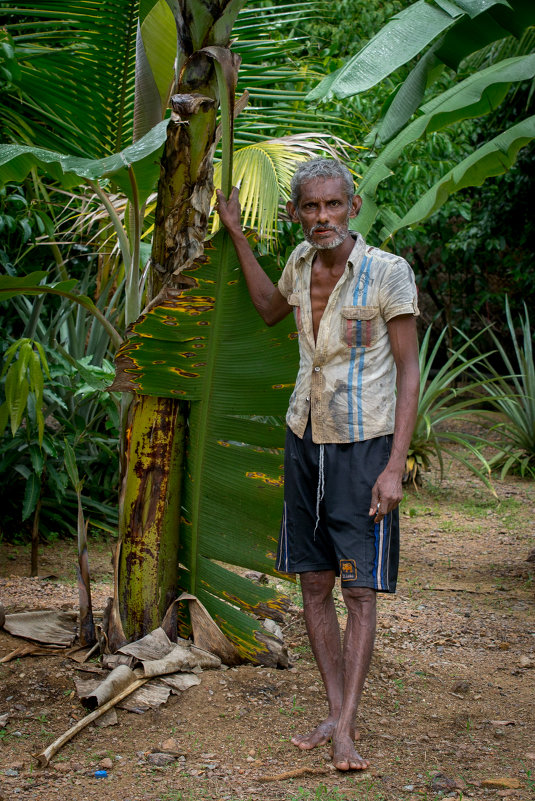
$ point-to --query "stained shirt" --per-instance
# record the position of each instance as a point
(346, 380)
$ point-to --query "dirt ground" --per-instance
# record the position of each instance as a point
(448, 708)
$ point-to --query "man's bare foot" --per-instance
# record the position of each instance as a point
(318, 736)
(344, 755)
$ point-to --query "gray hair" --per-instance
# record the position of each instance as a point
(321, 168)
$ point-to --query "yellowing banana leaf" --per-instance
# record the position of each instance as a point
(208, 346)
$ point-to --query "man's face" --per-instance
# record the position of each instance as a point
(324, 212)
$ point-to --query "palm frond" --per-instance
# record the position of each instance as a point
(76, 82)
(264, 170)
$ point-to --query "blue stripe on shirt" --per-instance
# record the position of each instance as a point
(353, 357)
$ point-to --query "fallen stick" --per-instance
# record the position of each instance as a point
(294, 774)
(30, 650)
(45, 756)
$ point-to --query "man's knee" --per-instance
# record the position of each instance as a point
(360, 599)
(317, 585)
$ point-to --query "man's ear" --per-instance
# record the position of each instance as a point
(292, 212)
(356, 203)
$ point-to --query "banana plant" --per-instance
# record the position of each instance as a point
(443, 35)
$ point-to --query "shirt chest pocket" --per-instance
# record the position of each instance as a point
(359, 326)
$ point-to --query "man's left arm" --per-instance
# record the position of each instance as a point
(387, 490)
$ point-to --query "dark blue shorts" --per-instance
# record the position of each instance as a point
(325, 524)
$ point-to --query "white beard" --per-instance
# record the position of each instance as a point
(340, 230)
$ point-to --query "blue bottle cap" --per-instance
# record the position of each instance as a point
(101, 774)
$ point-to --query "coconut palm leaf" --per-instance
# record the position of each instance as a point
(264, 170)
(76, 80)
(277, 77)
(202, 345)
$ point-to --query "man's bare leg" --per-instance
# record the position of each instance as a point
(358, 647)
(324, 635)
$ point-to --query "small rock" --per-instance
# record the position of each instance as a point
(409, 788)
(499, 733)
(273, 628)
(3, 720)
(442, 783)
(160, 760)
(502, 783)
(461, 687)
(170, 746)
(11, 772)
(526, 662)
(106, 763)
(18, 766)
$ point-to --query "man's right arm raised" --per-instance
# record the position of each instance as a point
(270, 304)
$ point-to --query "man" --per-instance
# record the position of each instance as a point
(348, 432)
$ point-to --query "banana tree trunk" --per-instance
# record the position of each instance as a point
(150, 499)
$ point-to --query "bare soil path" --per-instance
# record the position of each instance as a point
(448, 709)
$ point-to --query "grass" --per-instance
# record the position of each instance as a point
(364, 789)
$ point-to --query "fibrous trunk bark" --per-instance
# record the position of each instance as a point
(151, 484)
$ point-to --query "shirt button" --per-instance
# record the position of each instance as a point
(317, 369)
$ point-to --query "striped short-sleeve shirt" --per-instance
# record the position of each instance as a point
(346, 380)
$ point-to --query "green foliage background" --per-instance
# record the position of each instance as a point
(476, 249)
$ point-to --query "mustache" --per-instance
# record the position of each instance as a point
(319, 227)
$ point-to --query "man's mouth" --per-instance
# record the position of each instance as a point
(322, 229)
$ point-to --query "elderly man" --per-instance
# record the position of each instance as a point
(348, 431)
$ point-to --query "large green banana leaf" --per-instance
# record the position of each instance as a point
(418, 26)
(477, 95)
(207, 345)
(468, 35)
(492, 158)
(16, 161)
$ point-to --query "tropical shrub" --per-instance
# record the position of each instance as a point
(443, 400)
(509, 388)
(53, 403)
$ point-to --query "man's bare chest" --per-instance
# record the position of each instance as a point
(322, 283)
